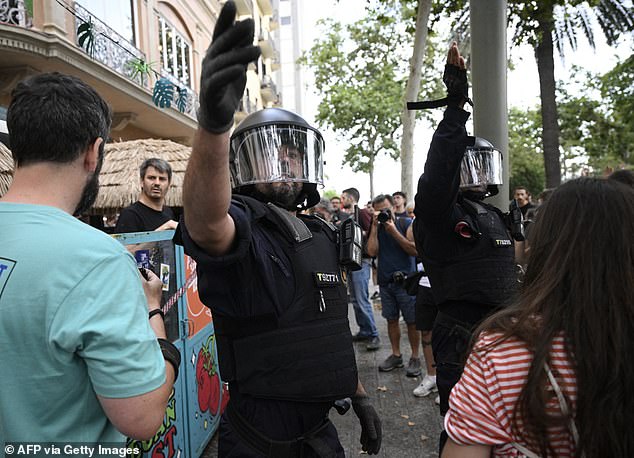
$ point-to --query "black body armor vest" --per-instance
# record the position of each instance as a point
(477, 260)
(306, 354)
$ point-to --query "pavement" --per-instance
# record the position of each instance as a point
(411, 426)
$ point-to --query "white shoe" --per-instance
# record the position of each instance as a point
(437, 400)
(426, 387)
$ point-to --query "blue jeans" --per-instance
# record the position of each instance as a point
(359, 297)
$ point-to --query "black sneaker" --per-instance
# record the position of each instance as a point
(360, 338)
(392, 362)
(374, 343)
(413, 368)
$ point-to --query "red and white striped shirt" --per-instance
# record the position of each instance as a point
(481, 405)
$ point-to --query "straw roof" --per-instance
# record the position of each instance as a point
(119, 178)
(6, 168)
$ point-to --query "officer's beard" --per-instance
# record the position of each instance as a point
(475, 192)
(91, 189)
(284, 194)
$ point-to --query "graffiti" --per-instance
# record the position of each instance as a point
(207, 378)
(162, 445)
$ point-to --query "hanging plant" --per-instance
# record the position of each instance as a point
(163, 93)
(182, 99)
(86, 36)
(139, 67)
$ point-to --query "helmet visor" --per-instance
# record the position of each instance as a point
(272, 153)
(481, 167)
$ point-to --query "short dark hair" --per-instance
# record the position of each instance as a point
(521, 187)
(381, 197)
(54, 118)
(159, 164)
(624, 176)
(400, 193)
(335, 197)
(352, 192)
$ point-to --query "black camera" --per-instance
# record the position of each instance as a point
(398, 278)
(384, 216)
(516, 221)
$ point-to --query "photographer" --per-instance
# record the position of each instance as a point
(395, 255)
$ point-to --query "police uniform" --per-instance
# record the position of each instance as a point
(280, 316)
(466, 249)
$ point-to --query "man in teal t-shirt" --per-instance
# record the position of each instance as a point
(79, 355)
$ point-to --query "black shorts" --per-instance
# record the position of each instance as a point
(426, 309)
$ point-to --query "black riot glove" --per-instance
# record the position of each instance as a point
(370, 424)
(224, 70)
(455, 79)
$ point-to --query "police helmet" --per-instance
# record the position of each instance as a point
(481, 165)
(273, 145)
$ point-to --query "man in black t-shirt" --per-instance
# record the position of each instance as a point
(149, 213)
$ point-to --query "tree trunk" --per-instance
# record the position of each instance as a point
(371, 172)
(408, 118)
(550, 125)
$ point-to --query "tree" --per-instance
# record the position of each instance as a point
(360, 74)
(412, 88)
(549, 24)
(525, 149)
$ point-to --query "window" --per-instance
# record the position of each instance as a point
(175, 52)
(286, 20)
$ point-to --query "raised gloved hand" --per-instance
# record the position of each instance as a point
(455, 78)
(224, 70)
(370, 424)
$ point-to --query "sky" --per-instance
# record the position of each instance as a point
(522, 89)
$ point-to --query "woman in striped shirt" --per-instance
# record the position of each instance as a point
(553, 374)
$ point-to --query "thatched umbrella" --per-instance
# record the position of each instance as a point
(6, 168)
(119, 178)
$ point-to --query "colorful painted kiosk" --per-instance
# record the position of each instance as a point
(199, 396)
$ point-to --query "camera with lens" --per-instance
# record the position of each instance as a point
(384, 216)
(398, 278)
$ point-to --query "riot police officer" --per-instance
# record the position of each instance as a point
(271, 278)
(465, 244)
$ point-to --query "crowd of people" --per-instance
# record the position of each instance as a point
(531, 365)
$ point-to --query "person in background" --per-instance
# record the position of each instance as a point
(360, 279)
(88, 360)
(523, 198)
(150, 213)
(400, 203)
(338, 215)
(270, 275)
(552, 374)
(624, 176)
(395, 256)
(323, 209)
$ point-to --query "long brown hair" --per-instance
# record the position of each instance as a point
(580, 281)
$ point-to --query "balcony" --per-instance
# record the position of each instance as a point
(15, 13)
(268, 89)
(274, 21)
(267, 45)
(244, 7)
(265, 7)
(26, 49)
(108, 47)
(246, 108)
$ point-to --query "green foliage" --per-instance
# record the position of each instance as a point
(139, 67)
(360, 73)
(86, 36)
(163, 93)
(526, 153)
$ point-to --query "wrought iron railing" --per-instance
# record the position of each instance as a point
(14, 12)
(186, 98)
(108, 47)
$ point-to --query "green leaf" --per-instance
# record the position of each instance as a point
(86, 36)
(182, 99)
(163, 93)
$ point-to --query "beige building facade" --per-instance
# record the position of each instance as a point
(128, 50)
